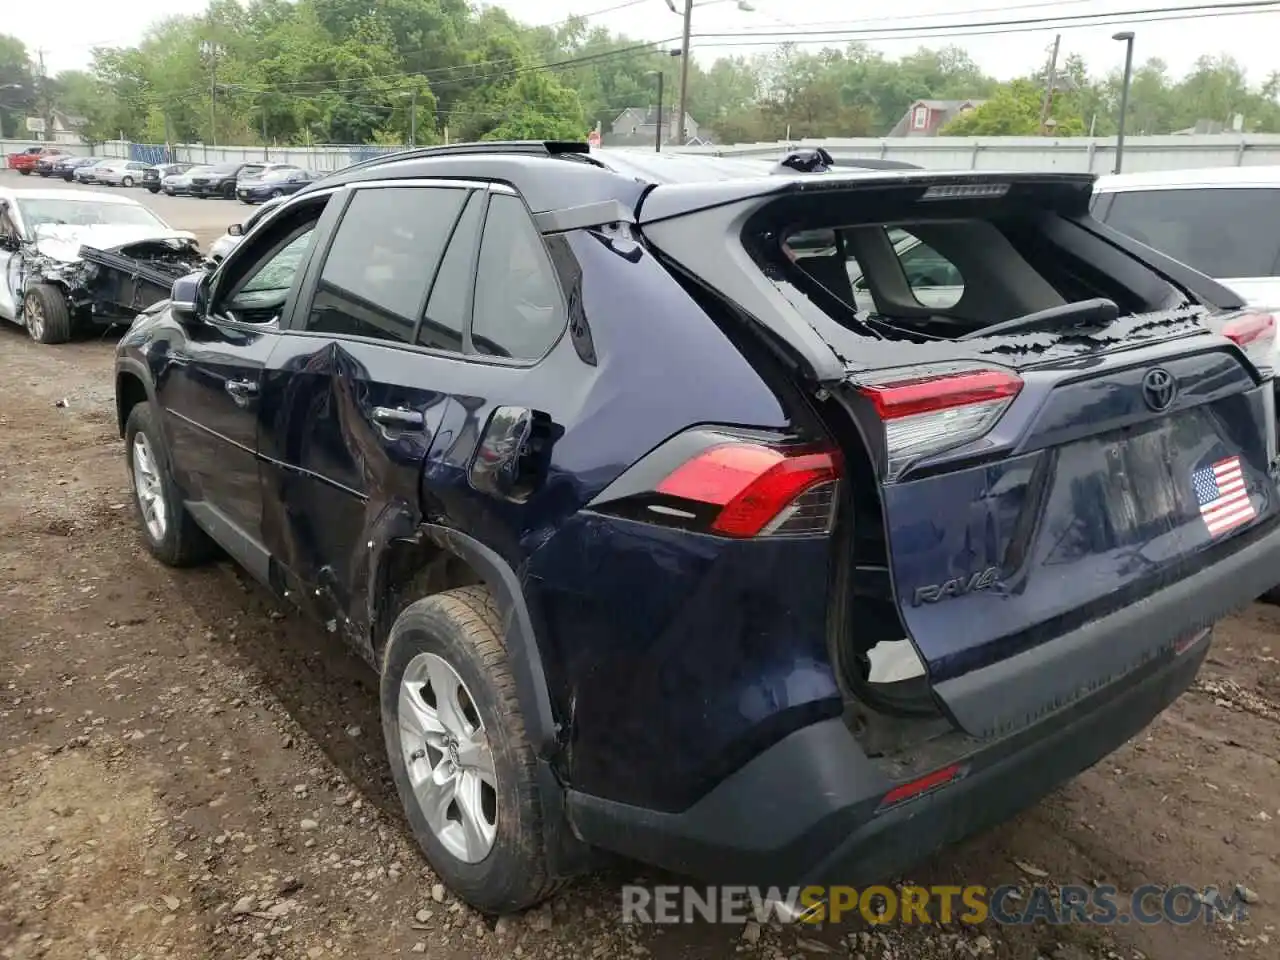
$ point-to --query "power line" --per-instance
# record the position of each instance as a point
(1189, 11)
(946, 31)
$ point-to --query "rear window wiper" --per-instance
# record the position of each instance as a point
(1094, 314)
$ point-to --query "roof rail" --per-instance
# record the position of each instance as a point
(548, 148)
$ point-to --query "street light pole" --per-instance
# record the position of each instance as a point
(1127, 37)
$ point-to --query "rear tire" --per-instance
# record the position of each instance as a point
(229, 192)
(175, 540)
(126, 182)
(445, 666)
(1272, 596)
(25, 173)
(47, 317)
(153, 189)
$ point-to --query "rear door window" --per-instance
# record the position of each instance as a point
(1223, 232)
(519, 312)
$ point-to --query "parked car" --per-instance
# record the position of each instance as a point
(24, 161)
(74, 258)
(1221, 221)
(219, 180)
(120, 173)
(179, 184)
(624, 502)
(67, 165)
(227, 242)
(85, 173)
(45, 164)
(155, 174)
(272, 183)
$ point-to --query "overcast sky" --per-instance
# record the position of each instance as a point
(68, 35)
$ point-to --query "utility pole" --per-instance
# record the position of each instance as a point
(266, 153)
(657, 140)
(211, 50)
(413, 117)
(684, 72)
(42, 96)
(1053, 78)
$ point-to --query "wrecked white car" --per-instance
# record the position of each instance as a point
(74, 259)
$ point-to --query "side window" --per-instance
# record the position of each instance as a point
(519, 311)
(255, 283)
(383, 255)
(446, 313)
(1224, 232)
(934, 280)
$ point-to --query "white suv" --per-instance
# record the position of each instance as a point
(1224, 222)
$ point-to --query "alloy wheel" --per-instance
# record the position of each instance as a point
(149, 488)
(35, 318)
(448, 758)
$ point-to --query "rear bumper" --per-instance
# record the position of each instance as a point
(805, 811)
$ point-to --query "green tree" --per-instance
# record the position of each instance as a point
(1014, 110)
(17, 85)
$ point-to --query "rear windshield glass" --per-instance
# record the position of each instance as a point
(1222, 232)
(966, 268)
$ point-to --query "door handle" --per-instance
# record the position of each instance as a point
(242, 391)
(397, 417)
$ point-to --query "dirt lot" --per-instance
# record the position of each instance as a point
(187, 771)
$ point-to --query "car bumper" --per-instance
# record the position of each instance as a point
(806, 811)
(810, 808)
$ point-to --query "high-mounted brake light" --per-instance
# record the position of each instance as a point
(760, 490)
(1255, 334)
(927, 411)
(965, 191)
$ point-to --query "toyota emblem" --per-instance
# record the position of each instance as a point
(1158, 389)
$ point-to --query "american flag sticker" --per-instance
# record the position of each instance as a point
(1224, 501)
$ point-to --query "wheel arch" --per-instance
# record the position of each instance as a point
(133, 386)
(437, 558)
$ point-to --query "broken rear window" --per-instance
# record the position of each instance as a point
(945, 270)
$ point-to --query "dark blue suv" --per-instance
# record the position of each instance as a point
(769, 525)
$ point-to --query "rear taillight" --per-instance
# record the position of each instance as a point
(928, 411)
(1255, 334)
(758, 490)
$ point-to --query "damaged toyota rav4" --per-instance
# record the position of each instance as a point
(772, 528)
(70, 259)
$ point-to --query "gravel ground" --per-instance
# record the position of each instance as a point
(189, 771)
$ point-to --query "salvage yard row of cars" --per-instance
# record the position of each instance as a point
(917, 492)
(247, 181)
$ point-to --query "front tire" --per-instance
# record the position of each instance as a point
(170, 534)
(47, 317)
(460, 757)
(153, 189)
(25, 173)
(229, 192)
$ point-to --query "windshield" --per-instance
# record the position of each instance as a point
(38, 213)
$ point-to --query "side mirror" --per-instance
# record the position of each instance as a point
(186, 298)
(236, 230)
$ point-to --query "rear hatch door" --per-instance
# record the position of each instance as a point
(1033, 478)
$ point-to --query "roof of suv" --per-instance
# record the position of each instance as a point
(1180, 179)
(566, 175)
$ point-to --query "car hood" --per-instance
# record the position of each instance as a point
(1256, 291)
(62, 241)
